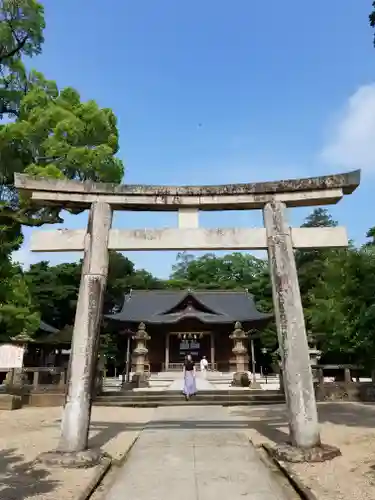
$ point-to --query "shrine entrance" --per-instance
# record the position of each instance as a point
(180, 322)
(277, 237)
(198, 344)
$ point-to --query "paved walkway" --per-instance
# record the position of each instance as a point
(194, 453)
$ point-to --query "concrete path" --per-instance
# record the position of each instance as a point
(194, 453)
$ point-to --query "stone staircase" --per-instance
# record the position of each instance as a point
(149, 398)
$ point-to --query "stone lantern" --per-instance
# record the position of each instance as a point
(314, 353)
(140, 378)
(239, 337)
(16, 378)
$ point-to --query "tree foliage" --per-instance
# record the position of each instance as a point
(372, 18)
(343, 307)
(235, 271)
(56, 135)
(46, 131)
(55, 288)
(312, 264)
(21, 35)
(18, 313)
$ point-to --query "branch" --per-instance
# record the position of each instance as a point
(13, 52)
(20, 43)
(10, 111)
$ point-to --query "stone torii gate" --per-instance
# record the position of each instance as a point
(101, 199)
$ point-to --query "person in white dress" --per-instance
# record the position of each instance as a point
(204, 366)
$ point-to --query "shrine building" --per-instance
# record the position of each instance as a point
(195, 322)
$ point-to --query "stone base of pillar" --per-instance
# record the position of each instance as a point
(240, 379)
(10, 402)
(72, 460)
(255, 385)
(140, 380)
(15, 382)
(287, 453)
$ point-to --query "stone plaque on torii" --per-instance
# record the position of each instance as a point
(277, 237)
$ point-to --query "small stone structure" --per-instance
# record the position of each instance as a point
(239, 337)
(277, 237)
(140, 378)
(314, 352)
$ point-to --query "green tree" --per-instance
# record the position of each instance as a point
(312, 264)
(17, 311)
(372, 18)
(54, 290)
(57, 135)
(345, 307)
(47, 132)
(371, 235)
(233, 271)
(21, 35)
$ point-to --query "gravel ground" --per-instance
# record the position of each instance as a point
(27, 432)
(350, 426)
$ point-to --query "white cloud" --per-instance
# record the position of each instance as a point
(351, 143)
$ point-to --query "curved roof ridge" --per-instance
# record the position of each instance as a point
(191, 293)
(158, 306)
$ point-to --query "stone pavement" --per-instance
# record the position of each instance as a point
(194, 453)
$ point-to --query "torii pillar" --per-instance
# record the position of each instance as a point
(72, 448)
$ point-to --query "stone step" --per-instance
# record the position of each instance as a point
(147, 398)
(230, 393)
(197, 398)
(182, 402)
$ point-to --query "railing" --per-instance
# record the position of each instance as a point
(39, 379)
(36, 377)
(342, 373)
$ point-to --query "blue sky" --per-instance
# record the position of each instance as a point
(281, 89)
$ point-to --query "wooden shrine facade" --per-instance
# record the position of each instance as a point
(182, 322)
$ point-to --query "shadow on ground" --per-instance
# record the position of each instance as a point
(270, 421)
(20, 480)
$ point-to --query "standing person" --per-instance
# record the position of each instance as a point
(190, 387)
(204, 366)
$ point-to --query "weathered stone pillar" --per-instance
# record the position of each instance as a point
(35, 379)
(347, 376)
(140, 378)
(281, 380)
(296, 369)
(212, 337)
(240, 377)
(167, 337)
(85, 341)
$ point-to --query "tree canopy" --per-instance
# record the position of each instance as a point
(372, 18)
(45, 131)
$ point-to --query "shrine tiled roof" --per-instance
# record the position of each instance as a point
(44, 327)
(169, 306)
